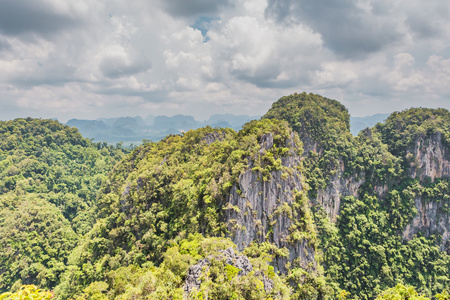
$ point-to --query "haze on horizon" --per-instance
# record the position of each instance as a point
(91, 59)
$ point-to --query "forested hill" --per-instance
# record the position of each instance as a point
(293, 206)
(381, 199)
(49, 178)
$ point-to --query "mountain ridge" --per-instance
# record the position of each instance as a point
(318, 212)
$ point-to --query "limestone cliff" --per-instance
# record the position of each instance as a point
(330, 197)
(429, 159)
(432, 218)
(269, 210)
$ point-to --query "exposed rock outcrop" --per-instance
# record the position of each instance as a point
(194, 277)
(433, 218)
(260, 210)
(211, 137)
(429, 158)
(330, 197)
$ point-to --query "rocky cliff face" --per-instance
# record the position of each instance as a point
(330, 197)
(427, 160)
(265, 211)
(430, 159)
(433, 218)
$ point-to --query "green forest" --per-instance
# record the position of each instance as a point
(292, 206)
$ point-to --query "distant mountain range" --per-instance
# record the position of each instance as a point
(132, 130)
(359, 123)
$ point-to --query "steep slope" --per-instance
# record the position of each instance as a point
(208, 181)
(272, 206)
(375, 194)
(35, 241)
(323, 127)
(421, 137)
(263, 213)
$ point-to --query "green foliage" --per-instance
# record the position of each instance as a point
(35, 240)
(28, 292)
(401, 292)
(307, 285)
(56, 162)
(402, 130)
(49, 177)
(220, 280)
(323, 126)
(443, 296)
(364, 252)
(163, 208)
(164, 191)
(312, 116)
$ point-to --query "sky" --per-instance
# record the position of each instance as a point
(88, 59)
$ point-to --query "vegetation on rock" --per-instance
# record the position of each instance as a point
(74, 220)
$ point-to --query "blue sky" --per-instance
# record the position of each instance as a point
(90, 59)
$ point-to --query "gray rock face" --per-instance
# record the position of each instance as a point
(330, 197)
(338, 186)
(429, 158)
(193, 279)
(210, 138)
(239, 261)
(431, 219)
(266, 142)
(261, 210)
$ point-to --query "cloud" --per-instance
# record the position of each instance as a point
(109, 58)
(203, 24)
(404, 77)
(262, 53)
(348, 28)
(116, 61)
(427, 21)
(4, 45)
(44, 18)
(194, 8)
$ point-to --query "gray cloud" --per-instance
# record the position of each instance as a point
(4, 44)
(114, 67)
(32, 16)
(423, 27)
(49, 76)
(346, 29)
(194, 8)
(430, 21)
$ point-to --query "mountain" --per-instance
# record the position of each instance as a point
(132, 130)
(178, 121)
(232, 121)
(359, 123)
(368, 194)
(291, 206)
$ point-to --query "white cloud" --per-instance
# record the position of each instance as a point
(404, 76)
